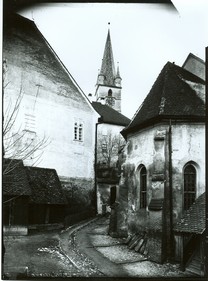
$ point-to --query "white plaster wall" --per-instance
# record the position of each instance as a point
(55, 107)
(188, 145)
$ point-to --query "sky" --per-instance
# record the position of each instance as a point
(144, 38)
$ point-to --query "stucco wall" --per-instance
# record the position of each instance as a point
(102, 92)
(50, 105)
(188, 143)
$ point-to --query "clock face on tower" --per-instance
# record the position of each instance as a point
(110, 101)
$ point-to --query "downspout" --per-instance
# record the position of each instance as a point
(170, 189)
(95, 163)
(95, 167)
(206, 182)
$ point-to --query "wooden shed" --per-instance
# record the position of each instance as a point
(47, 200)
(16, 194)
(189, 233)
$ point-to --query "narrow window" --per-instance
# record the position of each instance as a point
(78, 131)
(75, 131)
(143, 188)
(189, 186)
(110, 93)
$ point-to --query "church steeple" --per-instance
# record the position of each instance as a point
(107, 67)
(109, 81)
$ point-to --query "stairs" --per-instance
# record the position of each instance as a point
(194, 264)
(138, 243)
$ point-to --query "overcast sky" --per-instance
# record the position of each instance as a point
(144, 37)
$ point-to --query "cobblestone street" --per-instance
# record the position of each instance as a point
(83, 250)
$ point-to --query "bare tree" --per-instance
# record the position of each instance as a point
(18, 143)
(108, 147)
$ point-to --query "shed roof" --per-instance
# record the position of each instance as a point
(45, 186)
(15, 181)
(110, 115)
(193, 220)
(176, 93)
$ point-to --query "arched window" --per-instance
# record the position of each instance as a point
(189, 193)
(110, 93)
(143, 187)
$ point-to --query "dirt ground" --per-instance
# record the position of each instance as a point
(87, 251)
(42, 255)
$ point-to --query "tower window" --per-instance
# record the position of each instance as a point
(110, 93)
(189, 186)
(143, 188)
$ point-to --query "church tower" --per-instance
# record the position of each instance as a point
(108, 86)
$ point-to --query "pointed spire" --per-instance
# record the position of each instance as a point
(107, 67)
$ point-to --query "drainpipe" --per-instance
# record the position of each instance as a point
(170, 190)
(206, 184)
(95, 164)
(95, 167)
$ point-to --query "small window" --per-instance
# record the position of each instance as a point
(110, 93)
(189, 186)
(143, 188)
(78, 131)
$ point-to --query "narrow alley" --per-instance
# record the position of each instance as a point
(82, 250)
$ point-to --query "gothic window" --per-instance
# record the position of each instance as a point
(110, 93)
(143, 187)
(189, 186)
(78, 131)
(110, 100)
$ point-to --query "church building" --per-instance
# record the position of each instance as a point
(164, 169)
(109, 141)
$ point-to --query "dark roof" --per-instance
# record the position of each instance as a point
(107, 67)
(45, 185)
(110, 115)
(25, 46)
(193, 220)
(176, 93)
(15, 181)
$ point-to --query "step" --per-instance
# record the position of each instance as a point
(133, 245)
(138, 246)
(134, 238)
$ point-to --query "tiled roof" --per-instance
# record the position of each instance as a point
(32, 51)
(15, 182)
(110, 115)
(194, 219)
(107, 67)
(176, 93)
(45, 186)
